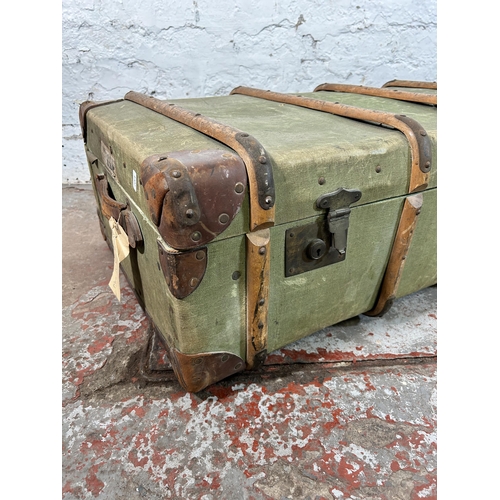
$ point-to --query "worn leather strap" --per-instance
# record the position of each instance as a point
(420, 150)
(399, 95)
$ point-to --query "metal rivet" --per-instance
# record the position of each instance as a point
(175, 173)
(197, 361)
(244, 135)
(336, 102)
(262, 302)
(239, 188)
(427, 164)
(223, 218)
(124, 165)
(321, 181)
(262, 250)
(200, 255)
(324, 203)
(418, 212)
(238, 366)
(193, 282)
(378, 169)
(268, 200)
(227, 155)
(423, 133)
(292, 235)
(236, 275)
(404, 257)
(196, 236)
(262, 159)
(224, 358)
(291, 270)
(161, 158)
(260, 325)
(189, 213)
(197, 114)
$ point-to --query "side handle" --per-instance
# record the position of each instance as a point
(119, 211)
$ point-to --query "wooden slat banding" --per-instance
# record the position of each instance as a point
(411, 84)
(258, 265)
(397, 259)
(399, 95)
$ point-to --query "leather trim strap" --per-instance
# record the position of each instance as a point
(420, 149)
(411, 84)
(257, 162)
(399, 95)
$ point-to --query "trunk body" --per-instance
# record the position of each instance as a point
(193, 253)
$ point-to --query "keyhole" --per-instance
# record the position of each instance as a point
(316, 249)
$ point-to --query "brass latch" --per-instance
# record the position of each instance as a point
(324, 241)
(338, 204)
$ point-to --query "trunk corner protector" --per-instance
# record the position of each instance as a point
(183, 271)
(193, 196)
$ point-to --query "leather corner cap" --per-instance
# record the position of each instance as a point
(193, 195)
(195, 372)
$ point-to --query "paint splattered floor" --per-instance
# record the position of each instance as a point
(347, 413)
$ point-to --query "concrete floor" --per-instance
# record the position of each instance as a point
(347, 413)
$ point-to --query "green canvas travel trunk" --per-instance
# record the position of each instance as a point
(245, 222)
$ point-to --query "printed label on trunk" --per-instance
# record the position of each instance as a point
(134, 180)
(108, 159)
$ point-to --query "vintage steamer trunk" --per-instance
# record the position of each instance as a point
(258, 218)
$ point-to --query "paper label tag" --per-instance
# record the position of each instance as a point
(121, 249)
(134, 180)
(108, 159)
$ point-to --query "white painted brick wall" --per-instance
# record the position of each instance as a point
(180, 48)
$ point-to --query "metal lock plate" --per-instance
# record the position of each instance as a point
(324, 241)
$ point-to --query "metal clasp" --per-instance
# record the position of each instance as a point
(338, 204)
